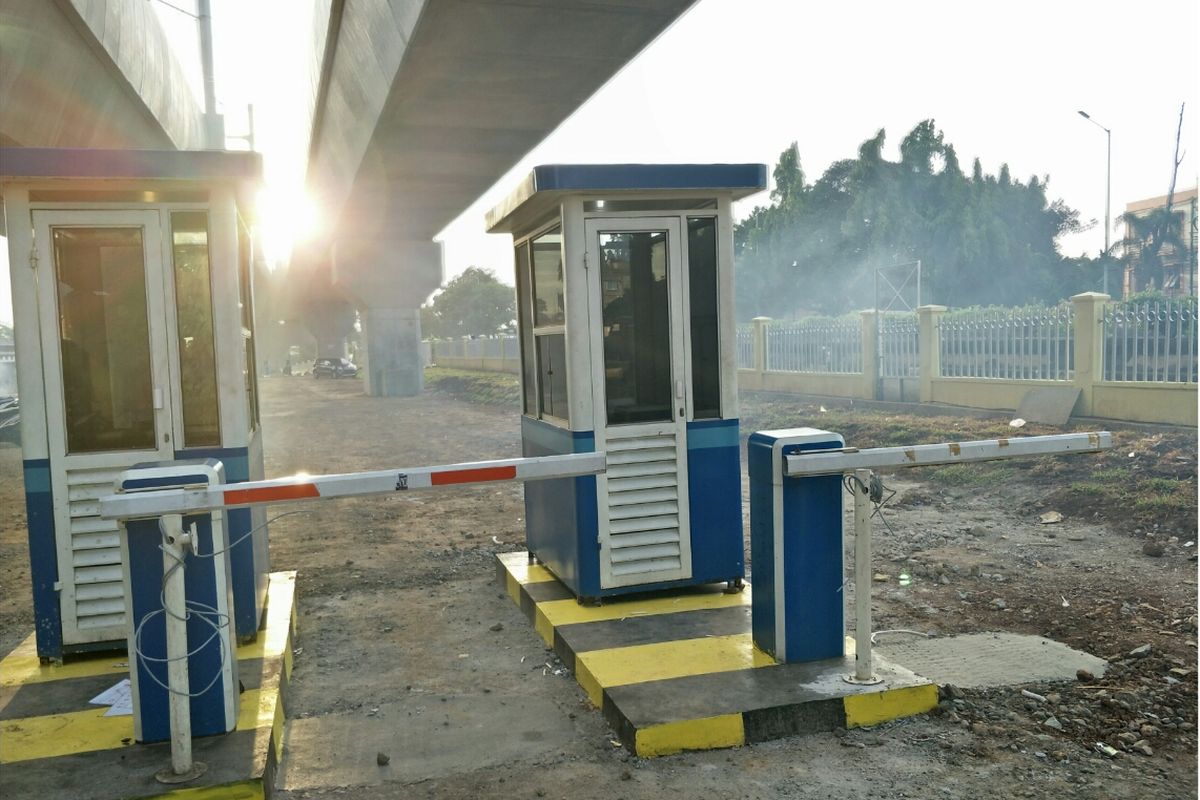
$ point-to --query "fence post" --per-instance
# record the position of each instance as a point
(870, 355)
(1089, 346)
(760, 348)
(929, 348)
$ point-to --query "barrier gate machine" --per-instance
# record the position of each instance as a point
(625, 314)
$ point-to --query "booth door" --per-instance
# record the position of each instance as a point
(104, 345)
(637, 314)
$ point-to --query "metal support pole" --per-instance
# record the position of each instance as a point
(182, 768)
(860, 484)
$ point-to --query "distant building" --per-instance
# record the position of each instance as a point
(1179, 266)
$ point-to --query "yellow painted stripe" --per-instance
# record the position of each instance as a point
(871, 708)
(554, 613)
(272, 640)
(63, 734)
(709, 733)
(242, 790)
(513, 588)
(598, 670)
(23, 666)
(529, 573)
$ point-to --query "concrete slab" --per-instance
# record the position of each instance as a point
(675, 671)
(1051, 405)
(426, 736)
(981, 660)
(55, 744)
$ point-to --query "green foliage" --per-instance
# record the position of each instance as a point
(6, 333)
(982, 239)
(473, 304)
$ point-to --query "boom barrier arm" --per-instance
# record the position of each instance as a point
(846, 460)
(150, 503)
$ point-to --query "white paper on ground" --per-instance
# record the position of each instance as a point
(118, 697)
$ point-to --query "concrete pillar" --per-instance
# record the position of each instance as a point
(760, 345)
(388, 279)
(929, 348)
(870, 355)
(1089, 346)
(393, 352)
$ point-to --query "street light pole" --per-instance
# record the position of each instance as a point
(1107, 196)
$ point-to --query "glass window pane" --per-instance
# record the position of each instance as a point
(637, 329)
(246, 302)
(525, 330)
(702, 291)
(193, 312)
(549, 304)
(105, 339)
(552, 375)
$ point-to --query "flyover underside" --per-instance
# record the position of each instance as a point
(85, 73)
(456, 92)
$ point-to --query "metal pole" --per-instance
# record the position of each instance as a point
(182, 768)
(1107, 198)
(214, 134)
(863, 672)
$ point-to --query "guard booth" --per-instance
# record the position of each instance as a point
(625, 313)
(134, 324)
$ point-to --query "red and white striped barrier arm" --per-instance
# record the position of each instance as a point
(154, 503)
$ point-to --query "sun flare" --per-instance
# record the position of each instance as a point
(286, 219)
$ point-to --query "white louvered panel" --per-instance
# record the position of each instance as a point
(641, 456)
(642, 482)
(638, 510)
(98, 622)
(629, 497)
(626, 526)
(95, 552)
(635, 470)
(99, 591)
(643, 506)
(646, 566)
(95, 541)
(647, 552)
(104, 574)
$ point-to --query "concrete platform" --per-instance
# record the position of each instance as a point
(53, 743)
(679, 671)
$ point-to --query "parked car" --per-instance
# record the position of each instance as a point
(334, 368)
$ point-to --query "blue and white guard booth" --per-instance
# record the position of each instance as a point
(626, 322)
(132, 286)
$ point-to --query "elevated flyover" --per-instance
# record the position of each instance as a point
(421, 106)
(92, 73)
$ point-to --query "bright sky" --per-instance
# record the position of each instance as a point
(1002, 80)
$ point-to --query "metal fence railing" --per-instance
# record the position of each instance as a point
(1017, 344)
(745, 347)
(898, 343)
(1150, 342)
(817, 346)
(505, 346)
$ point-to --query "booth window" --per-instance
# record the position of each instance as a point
(194, 321)
(548, 301)
(637, 327)
(246, 303)
(525, 332)
(104, 335)
(705, 329)
(544, 350)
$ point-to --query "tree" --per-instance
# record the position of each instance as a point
(473, 304)
(1154, 240)
(981, 239)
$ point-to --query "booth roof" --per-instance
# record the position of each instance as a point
(174, 165)
(542, 188)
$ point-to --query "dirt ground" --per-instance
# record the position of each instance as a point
(408, 647)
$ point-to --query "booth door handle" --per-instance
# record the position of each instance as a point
(158, 398)
(679, 389)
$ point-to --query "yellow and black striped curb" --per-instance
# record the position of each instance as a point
(54, 744)
(679, 671)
